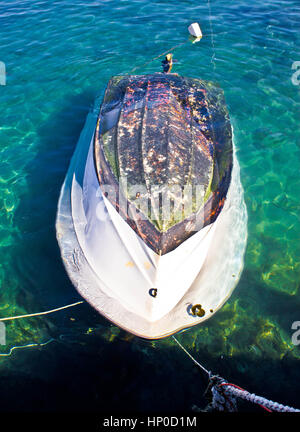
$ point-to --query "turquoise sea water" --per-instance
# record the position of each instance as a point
(59, 55)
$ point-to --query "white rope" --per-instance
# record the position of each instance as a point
(41, 313)
(212, 36)
(191, 357)
(25, 346)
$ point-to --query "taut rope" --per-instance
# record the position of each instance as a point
(41, 313)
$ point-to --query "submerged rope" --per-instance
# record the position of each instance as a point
(212, 36)
(32, 315)
(224, 394)
(61, 338)
(41, 313)
(191, 357)
(26, 346)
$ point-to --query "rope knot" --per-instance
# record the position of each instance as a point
(222, 399)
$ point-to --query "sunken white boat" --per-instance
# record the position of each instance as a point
(151, 221)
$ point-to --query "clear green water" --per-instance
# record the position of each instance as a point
(59, 55)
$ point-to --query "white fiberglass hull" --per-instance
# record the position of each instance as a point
(114, 270)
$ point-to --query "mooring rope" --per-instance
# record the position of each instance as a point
(26, 346)
(175, 47)
(61, 338)
(42, 313)
(224, 394)
(212, 36)
(155, 58)
(181, 44)
(251, 397)
(191, 357)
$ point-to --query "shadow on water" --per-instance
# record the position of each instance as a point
(88, 373)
